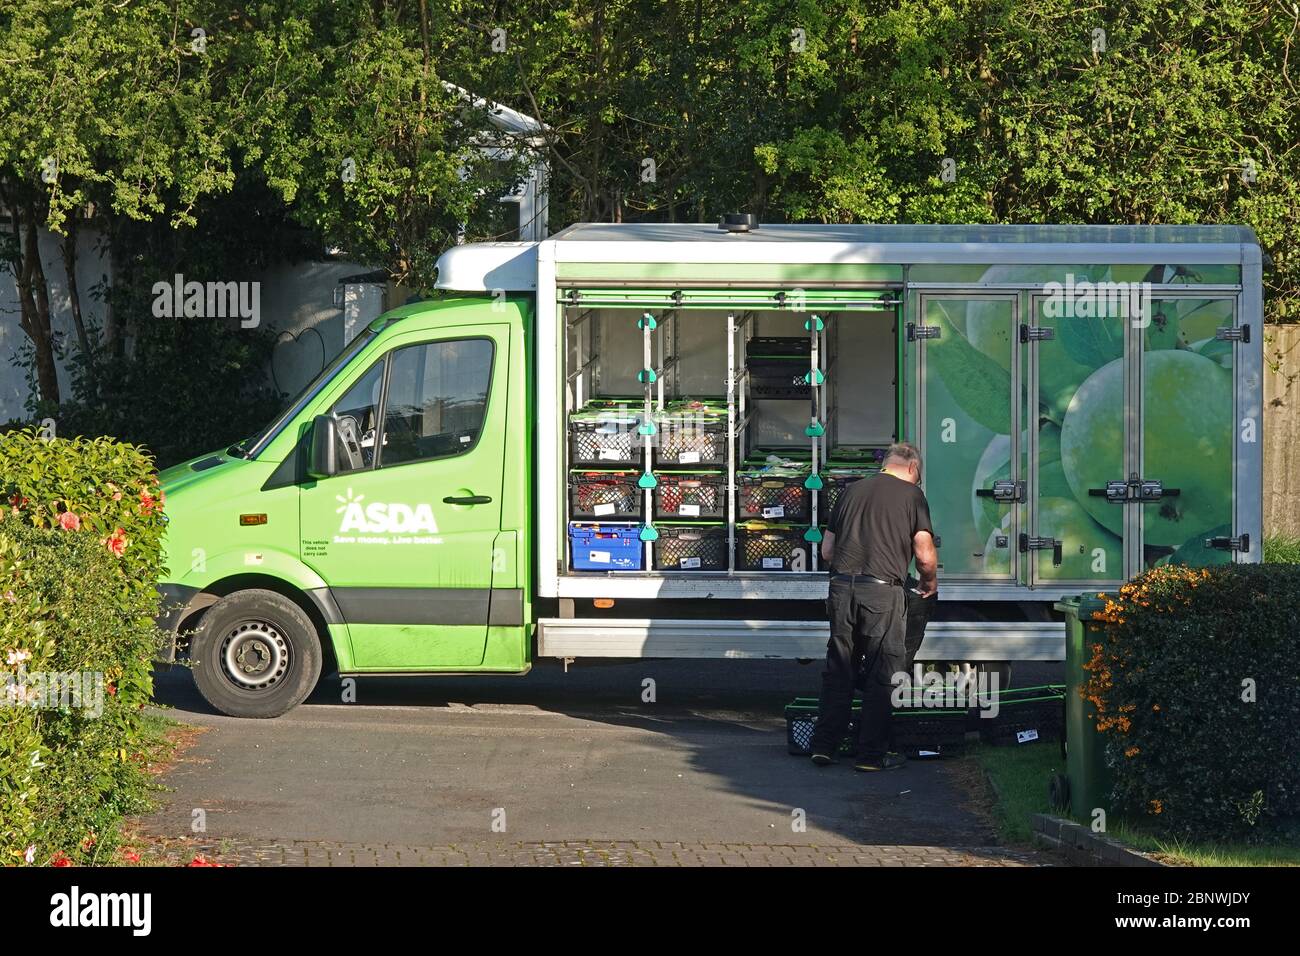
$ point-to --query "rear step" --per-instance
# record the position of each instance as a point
(783, 640)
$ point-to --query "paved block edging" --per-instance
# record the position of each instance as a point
(1082, 846)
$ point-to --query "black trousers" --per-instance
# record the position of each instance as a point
(868, 624)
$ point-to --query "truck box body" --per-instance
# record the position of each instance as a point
(1086, 399)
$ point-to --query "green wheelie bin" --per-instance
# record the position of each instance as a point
(1087, 781)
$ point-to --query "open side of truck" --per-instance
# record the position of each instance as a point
(1086, 399)
(625, 441)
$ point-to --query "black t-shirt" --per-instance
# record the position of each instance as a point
(873, 521)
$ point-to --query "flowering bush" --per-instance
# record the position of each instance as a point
(80, 532)
(1195, 675)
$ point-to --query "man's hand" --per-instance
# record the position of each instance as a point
(927, 563)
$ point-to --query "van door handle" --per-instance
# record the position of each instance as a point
(468, 500)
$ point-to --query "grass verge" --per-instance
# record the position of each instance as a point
(1018, 777)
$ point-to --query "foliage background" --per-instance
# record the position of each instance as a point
(219, 158)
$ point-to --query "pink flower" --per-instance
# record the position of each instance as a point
(69, 521)
(116, 542)
(30, 855)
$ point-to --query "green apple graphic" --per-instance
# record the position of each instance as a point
(1188, 442)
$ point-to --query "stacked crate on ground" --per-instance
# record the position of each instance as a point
(764, 546)
(690, 494)
(1024, 715)
(777, 366)
(692, 432)
(603, 437)
(691, 547)
(604, 494)
(773, 490)
(916, 732)
(605, 547)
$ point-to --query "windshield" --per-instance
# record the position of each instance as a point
(251, 447)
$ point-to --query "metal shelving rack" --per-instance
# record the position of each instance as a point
(659, 379)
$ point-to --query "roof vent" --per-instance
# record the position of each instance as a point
(738, 222)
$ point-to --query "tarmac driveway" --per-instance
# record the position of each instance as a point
(552, 767)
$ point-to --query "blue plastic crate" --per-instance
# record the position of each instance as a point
(605, 547)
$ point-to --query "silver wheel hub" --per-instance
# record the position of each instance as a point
(255, 655)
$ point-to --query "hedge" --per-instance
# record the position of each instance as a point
(80, 551)
(1196, 681)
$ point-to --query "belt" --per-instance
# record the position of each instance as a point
(852, 578)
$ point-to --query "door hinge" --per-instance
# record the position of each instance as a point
(915, 331)
(1030, 543)
(1035, 334)
(1003, 491)
(1224, 543)
(1135, 489)
(1240, 333)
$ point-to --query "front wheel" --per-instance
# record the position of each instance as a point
(255, 654)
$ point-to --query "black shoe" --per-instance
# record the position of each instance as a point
(889, 761)
(823, 760)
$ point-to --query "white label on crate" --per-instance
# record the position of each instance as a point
(598, 557)
(609, 454)
(776, 511)
(608, 508)
(1024, 736)
(688, 563)
(689, 457)
(691, 511)
(773, 564)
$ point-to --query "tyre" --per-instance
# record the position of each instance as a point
(255, 654)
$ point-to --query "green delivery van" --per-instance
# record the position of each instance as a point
(625, 441)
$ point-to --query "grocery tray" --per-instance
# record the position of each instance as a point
(690, 494)
(691, 432)
(605, 494)
(691, 547)
(605, 547)
(604, 437)
(773, 491)
(765, 546)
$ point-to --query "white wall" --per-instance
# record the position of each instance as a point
(91, 269)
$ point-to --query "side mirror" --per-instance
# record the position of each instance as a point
(324, 447)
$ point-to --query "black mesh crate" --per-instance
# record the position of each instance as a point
(834, 482)
(772, 497)
(924, 731)
(915, 733)
(604, 494)
(691, 439)
(766, 547)
(778, 378)
(686, 547)
(779, 346)
(604, 437)
(690, 494)
(1024, 715)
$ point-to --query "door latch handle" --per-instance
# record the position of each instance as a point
(1135, 489)
(1029, 543)
(1006, 491)
(467, 500)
